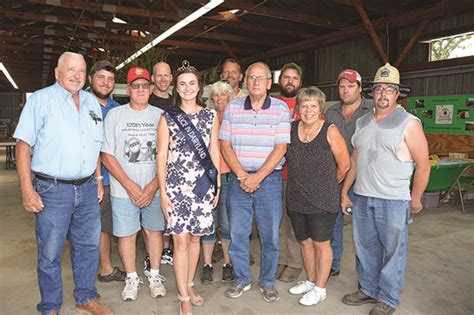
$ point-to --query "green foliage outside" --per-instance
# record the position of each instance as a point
(442, 49)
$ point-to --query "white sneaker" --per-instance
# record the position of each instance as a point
(312, 297)
(156, 285)
(302, 287)
(130, 292)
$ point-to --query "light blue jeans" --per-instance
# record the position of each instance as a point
(70, 212)
(221, 219)
(266, 202)
(381, 235)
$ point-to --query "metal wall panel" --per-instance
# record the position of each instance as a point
(10, 105)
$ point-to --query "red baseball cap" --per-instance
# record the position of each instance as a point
(350, 75)
(136, 73)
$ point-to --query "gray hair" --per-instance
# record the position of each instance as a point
(261, 64)
(311, 93)
(68, 53)
(221, 87)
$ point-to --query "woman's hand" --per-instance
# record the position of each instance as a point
(216, 199)
(166, 206)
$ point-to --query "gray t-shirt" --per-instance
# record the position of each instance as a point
(347, 128)
(130, 136)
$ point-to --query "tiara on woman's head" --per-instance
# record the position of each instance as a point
(185, 66)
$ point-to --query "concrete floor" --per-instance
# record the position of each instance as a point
(439, 278)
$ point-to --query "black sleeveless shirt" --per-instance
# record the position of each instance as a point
(312, 185)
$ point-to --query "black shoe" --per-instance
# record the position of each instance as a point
(334, 272)
(227, 273)
(167, 257)
(146, 266)
(116, 275)
(207, 274)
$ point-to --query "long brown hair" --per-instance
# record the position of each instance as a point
(183, 70)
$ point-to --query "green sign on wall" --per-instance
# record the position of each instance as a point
(453, 114)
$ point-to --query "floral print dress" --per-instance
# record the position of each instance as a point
(191, 213)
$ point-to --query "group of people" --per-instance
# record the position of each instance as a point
(170, 165)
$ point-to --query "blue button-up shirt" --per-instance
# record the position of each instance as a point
(105, 110)
(66, 142)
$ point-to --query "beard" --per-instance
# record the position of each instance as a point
(287, 92)
(100, 95)
(383, 103)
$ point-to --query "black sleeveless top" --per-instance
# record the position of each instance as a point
(312, 185)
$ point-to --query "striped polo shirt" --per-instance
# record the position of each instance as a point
(254, 134)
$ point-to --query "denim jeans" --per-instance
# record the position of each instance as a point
(70, 212)
(337, 242)
(381, 236)
(266, 203)
(222, 219)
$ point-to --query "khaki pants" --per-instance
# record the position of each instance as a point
(290, 252)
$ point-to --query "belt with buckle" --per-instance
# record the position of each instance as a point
(75, 182)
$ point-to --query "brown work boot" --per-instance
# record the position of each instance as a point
(95, 307)
(357, 298)
(382, 309)
(280, 270)
(290, 274)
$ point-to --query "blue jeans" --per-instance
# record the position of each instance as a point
(70, 212)
(337, 242)
(381, 235)
(222, 219)
(266, 202)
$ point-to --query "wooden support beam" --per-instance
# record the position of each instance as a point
(136, 45)
(104, 37)
(250, 7)
(87, 46)
(110, 8)
(229, 50)
(368, 25)
(421, 27)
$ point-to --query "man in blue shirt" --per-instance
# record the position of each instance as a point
(63, 126)
(102, 82)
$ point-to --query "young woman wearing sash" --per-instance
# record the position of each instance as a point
(187, 164)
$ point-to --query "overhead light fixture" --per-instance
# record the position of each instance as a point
(190, 18)
(118, 20)
(7, 74)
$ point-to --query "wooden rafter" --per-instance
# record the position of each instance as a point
(421, 27)
(252, 8)
(368, 25)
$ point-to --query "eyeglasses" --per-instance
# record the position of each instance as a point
(255, 78)
(136, 86)
(389, 90)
